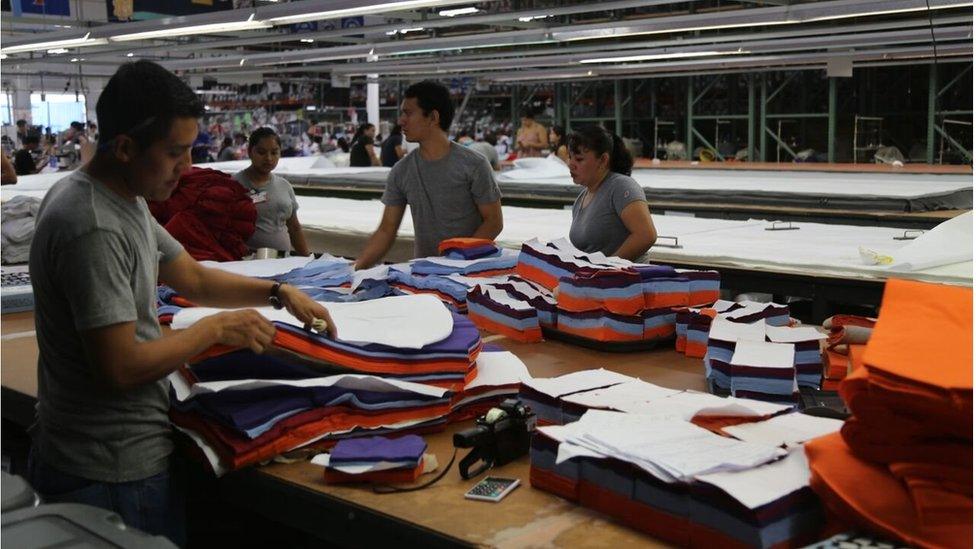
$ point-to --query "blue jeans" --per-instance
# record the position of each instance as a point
(154, 505)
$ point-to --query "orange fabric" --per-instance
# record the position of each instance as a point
(695, 350)
(462, 242)
(703, 297)
(868, 496)
(629, 306)
(873, 442)
(680, 343)
(538, 276)
(553, 483)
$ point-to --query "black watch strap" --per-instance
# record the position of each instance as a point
(273, 297)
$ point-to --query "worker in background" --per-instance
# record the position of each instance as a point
(557, 140)
(26, 160)
(610, 214)
(227, 152)
(484, 149)
(392, 150)
(362, 154)
(8, 175)
(22, 131)
(450, 190)
(102, 435)
(531, 138)
(277, 225)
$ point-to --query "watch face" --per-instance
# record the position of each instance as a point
(275, 302)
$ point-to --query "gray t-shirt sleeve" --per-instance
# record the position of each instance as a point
(393, 194)
(484, 188)
(625, 191)
(169, 247)
(291, 197)
(97, 270)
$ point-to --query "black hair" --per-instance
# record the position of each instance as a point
(490, 139)
(343, 144)
(561, 134)
(599, 141)
(528, 112)
(396, 130)
(227, 142)
(32, 138)
(21, 122)
(141, 100)
(432, 96)
(362, 129)
(78, 126)
(259, 134)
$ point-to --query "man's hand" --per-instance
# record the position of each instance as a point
(246, 329)
(305, 308)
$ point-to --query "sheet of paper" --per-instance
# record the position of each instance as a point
(785, 334)
(260, 267)
(726, 330)
(623, 397)
(409, 321)
(766, 483)
(786, 429)
(499, 368)
(576, 382)
(688, 404)
(761, 354)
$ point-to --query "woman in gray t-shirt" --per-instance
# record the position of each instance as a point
(610, 214)
(277, 225)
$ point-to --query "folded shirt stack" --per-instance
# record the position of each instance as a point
(902, 464)
(544, 395)
(546, 263)
(838, 365)
(379, 460)
(467, 248)
(448, 290)
(237, 423)
(407, 337)
(703, 286)
(746, 312)
(495, 310)
(764, 371)
(807, 359)
(692, 326)
(678, 482)
(624, 291)
(501, 264)
(534, 294)
(500, 376)
(723, 337)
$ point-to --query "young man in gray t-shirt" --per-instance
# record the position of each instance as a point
(450, 189)
(102, 436)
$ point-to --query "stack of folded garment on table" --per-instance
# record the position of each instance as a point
(837, 365)
(495, 310)
(412, 338)
(848, 335)
(678, 482)
(467, 248)
(750, 311)
(902, 465)
(535, 295)
(241, 422)
(501, 264)
(446, 288)
(624, 291)
(500, 376)
(18, 228)
(379, 460)
(807, 360)
(723, 337)
(547, 263)
(692, 326)
(763, 371)
(648, 325)
(544, 395)
(703, 286)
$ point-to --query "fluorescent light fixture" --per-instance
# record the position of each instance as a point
(392, 32)
(379, 7)
(411, 29)
(547, 76)
(130, 54)
(249, 24)
(86, 40)
(458, 11)
(307, 40)
(532, 18)
(310, 108)
(651, 57)
(3, 56)
(57, 51)
(215, 92)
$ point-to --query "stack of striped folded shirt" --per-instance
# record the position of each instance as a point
(497, 311)
(763, 371)
(446, 288)
(502, 263)
(500, 376)
(807, 357)
(678, 482)
(703, 286)
(467, 248)
(380, 460)
(692, 326)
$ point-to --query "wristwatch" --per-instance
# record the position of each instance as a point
(273, 299)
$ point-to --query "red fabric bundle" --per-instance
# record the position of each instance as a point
(210, 214)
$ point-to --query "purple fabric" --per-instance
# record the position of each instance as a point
(405, 448)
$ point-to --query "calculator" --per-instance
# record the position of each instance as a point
(492, 489)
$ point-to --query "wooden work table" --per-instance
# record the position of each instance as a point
(295, 494)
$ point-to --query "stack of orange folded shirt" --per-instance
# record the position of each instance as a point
(847, 337)
(902, 464)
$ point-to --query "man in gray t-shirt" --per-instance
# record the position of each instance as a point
(451, 190)
(102, 435)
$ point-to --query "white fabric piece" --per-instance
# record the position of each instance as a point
(787, 429)
(260, 267)
(549, 168)
(766, 483)
(407, 322)
(726, 330)
(380, 272)
(577, 381)
(345, 381)
(760, 354)
(497, 369)
(622, 397)
(688, 404)
(949, 242)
